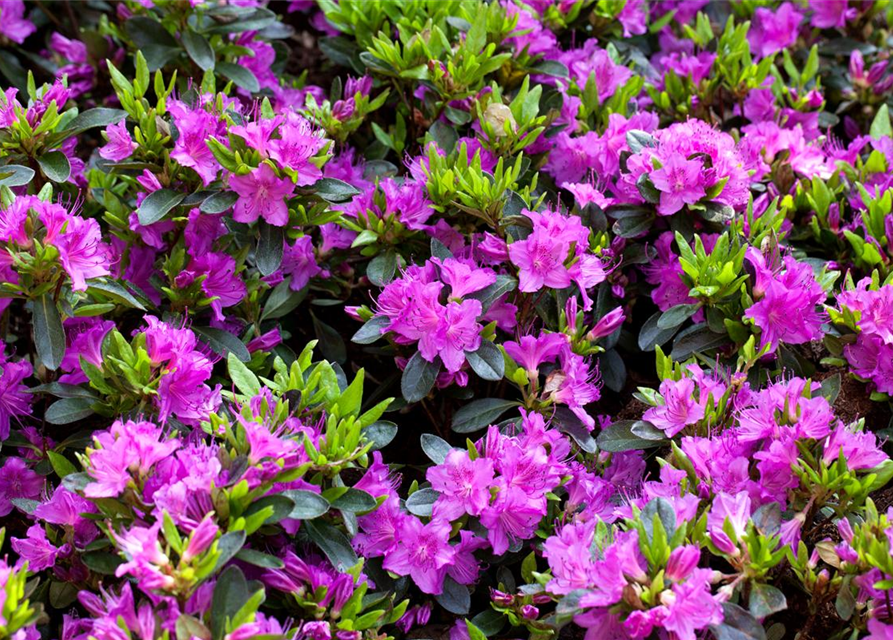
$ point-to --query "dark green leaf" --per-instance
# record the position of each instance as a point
(421, 503)
(222, 342)
(55, 166)
(93, 118)
(418, 378)
(633, 226)
(382, 268)
(269, 248)
(283, 300)
(651, 335)
(219, 202)
(355, 501)
(830, 388)
(157, 205)
(102, 562)
(62, 390)
(674, 316)
(241, 76)
(699, 340)
(259, 559)
(620, 437)
(380, 434)
(551, 68)
(330, 341)
(766, 600)
(49, 336)
(333, 544)
(737, 624)
(371, 331)
(488, 295)
(198, 49)
(15, 175)
(435, 448)
(455, 598)
(308, 505)
(613, 370)
(567, 422)
(281, 505)
(440, 250)
(647, 189)
(62, 594)
(638, 140)
(336, 191)
(444, 136)
(229, 545)
(479, 414)
(664, 511)
(116, 292)
(61, 465)
(488, 361)
(154, 41)
(489, 622)
(231, 592)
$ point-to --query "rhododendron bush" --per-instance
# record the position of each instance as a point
(426, 319)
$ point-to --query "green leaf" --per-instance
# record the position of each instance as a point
(665, 513)
(55, 166)
(222, 342)
(330, 341)
(62, 594)
(156, 44)
(444, 136)
(231, 592)
(382, 268)
(114, 290)
(651, 335)
(380, 434)
(880, 126)
(567, 422)
(102, 562)
(242, 77)
(638, 140)
(62, 390)
(421, 502)
(333, 544)
(308, 505)
(281, 505)
(371, 330)
(269, 248)
(61, 465)
(700, 339)
(488, 361)
(436, 448)
(15, 175)
(674, 316)
(69, 410)
(551, 68)
(93, 118)
(354, 501)
(479, 414)
(49, 336)
(488, 295)
(335, 191)
(244, 379)
(219, 202)
(198, 49)
(737, 624)
(456, 598)
(620, 437)
(157, 205)
(418, 378)
(259, 559)
(229, 545)
(766, 600)
(282, 300)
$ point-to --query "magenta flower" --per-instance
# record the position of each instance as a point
(575, 384)
(679, 181)
(513, 516)
(145, 557)
(195, 126)
(774, 29)
(464, 485)
(183, 392)
(120, 145)
(530, 352)
(540, 260)
(13, 23)
(67, 509)
(15, 401)
(261, 194)
(221, 282)
(297, 144)
(679, 409)
(457, 332)
(422, 552)
(17, 480)
(831, 14)
(859, 449)
(39, 552)
(465, 278)
(732, 509)
(299, 262)
(82, 252)
(691, 606)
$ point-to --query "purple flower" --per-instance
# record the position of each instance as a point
(13, 23)
(732, 509)
(575, 384)
(145, 557)
(512, 516)
(464, 485)
(82, 252)
(66, 509)
(859, 449)
(774, 29)
(679, 409)
(37, 549)
(457, 332)
(531, 352)
(191, 150)
(261, 194)
(297, 144)
(831, 14)
(690, 606)
(679, 181)
(71, 50)
(299, 262)
(591, 59)
(221, 282)
(120, 145)
(422, 552)
(15, 401)
(17, 480)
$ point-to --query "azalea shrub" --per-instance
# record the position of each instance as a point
(395, 319)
